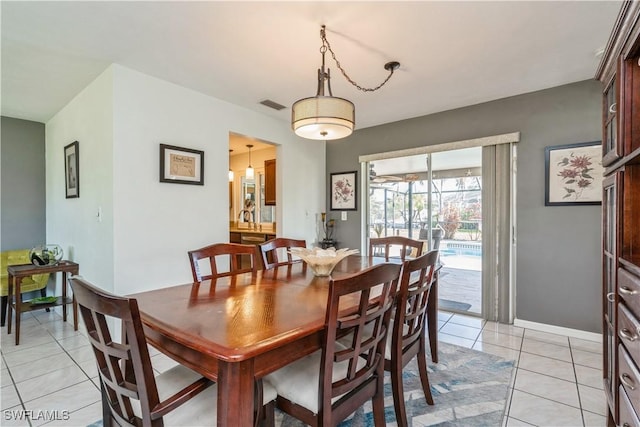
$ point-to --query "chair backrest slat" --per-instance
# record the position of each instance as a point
(371, 294)
(124, 367)
(413, 295)
(242, 259)
(269, 251)
(382, 246)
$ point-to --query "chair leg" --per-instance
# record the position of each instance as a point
(269, 414)
(4, 302)
(422, 368)
(378, 403)
(398, 393)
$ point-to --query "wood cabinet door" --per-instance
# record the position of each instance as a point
(270, 182)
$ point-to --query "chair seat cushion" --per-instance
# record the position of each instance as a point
(200, 410)
(299, 382)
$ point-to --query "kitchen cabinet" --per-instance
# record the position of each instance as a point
(270, 182)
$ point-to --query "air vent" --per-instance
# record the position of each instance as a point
(269, 103)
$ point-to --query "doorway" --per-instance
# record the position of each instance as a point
(441, 205)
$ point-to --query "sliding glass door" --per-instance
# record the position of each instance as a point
(442, 205)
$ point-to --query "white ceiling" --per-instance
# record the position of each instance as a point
(453, 54)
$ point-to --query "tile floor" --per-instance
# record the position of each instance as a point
(51, 374)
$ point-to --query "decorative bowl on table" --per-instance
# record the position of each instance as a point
(46, 255)
(322, 261)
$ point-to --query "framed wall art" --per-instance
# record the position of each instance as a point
(180, 165)
(344, 191)
(72, 170)
(573, 174)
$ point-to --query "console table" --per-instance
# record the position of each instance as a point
(15, 274)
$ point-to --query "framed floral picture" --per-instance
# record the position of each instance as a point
(343, 191)
(72, 170)
(573, 174)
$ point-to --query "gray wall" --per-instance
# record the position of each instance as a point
(558, 255)
(22, 178)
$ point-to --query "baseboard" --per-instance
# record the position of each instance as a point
(552, 329)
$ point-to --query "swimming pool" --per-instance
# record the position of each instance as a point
(461, 251)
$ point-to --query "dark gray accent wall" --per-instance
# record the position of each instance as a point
(23, 216)
(558, 248)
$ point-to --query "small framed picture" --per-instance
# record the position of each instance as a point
(344, 191)
(573, 174)
(72, 170)
(180, 165)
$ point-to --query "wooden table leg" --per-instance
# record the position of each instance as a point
(64, 296)
(10, 280)
(432, 318)
(18, 298)
(235, 393)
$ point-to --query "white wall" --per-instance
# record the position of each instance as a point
(148, 227)
(72, 223)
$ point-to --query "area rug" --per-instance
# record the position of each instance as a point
(469, 389)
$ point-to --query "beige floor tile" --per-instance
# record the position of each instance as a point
(579, 344)
(69, 399)
(51, 382)
(81, 417)
(547, 337)
(461, 319)
(504, 352)
(547, 366)
(73, 342)
(547, 387)
(587, 358)
(28, 339)
(513, 422)
(593, 399)
(504, 328)
(8, 397)
(82, 354)
(589, 376)
(444, 316)
(504, 340)
(61, 329)
(543, 412)
(546, 349)
(41, 367)
(31, 354)
(5, 378)
(593, 420)
(452, 339)
(460, 331)
(90, 368)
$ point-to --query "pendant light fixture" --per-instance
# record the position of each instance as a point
(249, 172)
(325, 116)
(230, 171)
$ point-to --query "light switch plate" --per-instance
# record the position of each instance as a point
(344, 216)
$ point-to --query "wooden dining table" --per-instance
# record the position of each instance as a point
(240, 328)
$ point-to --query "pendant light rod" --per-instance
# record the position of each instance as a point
(324, 116)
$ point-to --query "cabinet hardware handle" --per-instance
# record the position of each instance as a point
(613, 107)
(627, 291)
(627, 381)
(626, 334)
(611, 297)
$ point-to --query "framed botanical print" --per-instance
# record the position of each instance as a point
(344, 191)
(573, 174)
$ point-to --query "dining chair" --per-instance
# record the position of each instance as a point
(131, 395)
(328, 385)
(242, 259)
(269, 251)
(408, 328)
(384, 246)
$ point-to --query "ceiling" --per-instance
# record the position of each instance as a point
(452, 53)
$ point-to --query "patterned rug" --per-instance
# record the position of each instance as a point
(469, 389)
